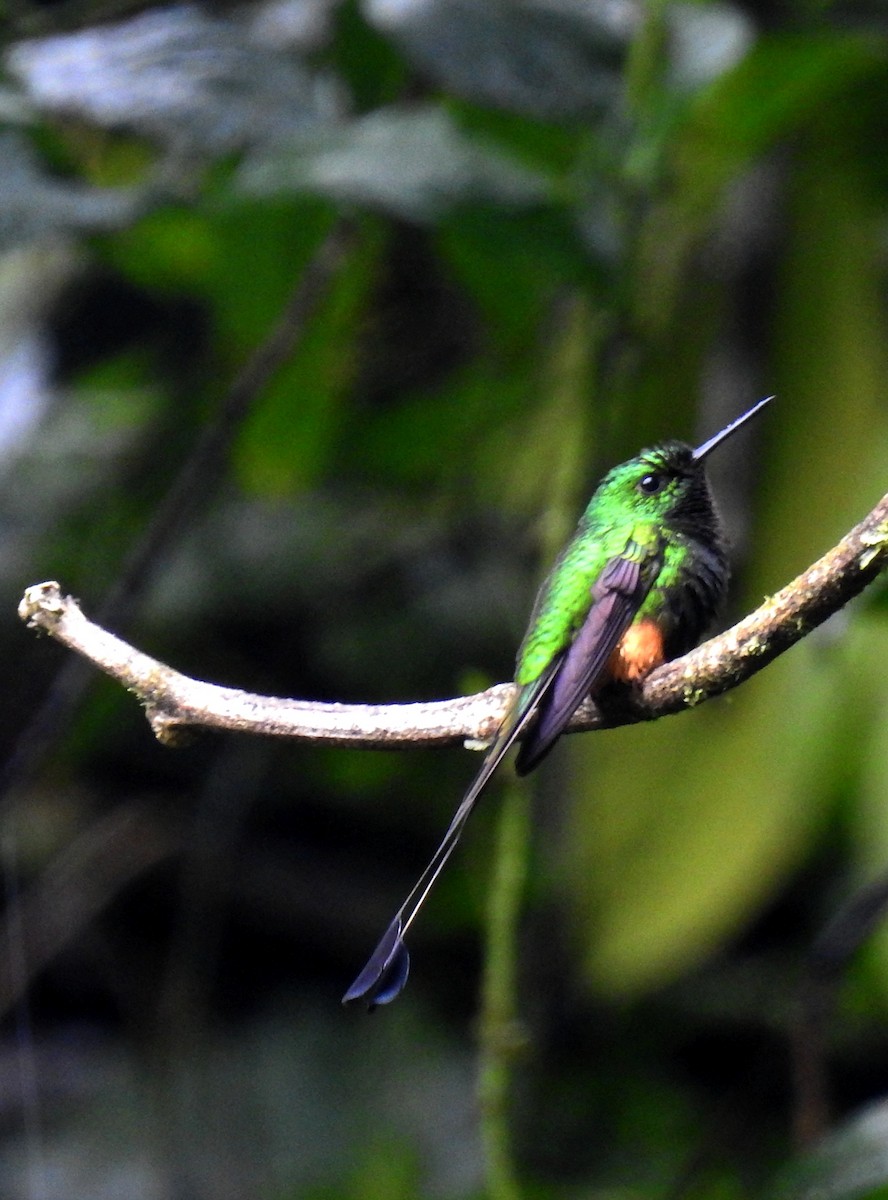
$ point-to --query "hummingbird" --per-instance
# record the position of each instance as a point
(636, 586)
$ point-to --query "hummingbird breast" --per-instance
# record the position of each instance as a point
(687, 592)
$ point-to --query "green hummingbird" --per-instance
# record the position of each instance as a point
(637, 585)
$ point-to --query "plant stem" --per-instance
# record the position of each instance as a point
(501, 1036)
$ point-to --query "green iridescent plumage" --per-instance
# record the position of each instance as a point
(669, 526)
(648, 551)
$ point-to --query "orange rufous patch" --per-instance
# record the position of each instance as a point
(639, 651)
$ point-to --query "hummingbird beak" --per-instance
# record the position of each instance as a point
(701, 452)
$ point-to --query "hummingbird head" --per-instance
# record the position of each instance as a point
(668, 484)
(665, 484)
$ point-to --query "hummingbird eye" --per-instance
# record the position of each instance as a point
(651, 483)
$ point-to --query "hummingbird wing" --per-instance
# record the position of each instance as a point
(545, 705)
(617, 595)
(385, 973)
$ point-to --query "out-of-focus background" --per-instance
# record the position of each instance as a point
(565, 229)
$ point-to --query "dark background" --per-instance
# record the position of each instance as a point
(567, 230)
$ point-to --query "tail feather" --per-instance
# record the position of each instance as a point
(385, 973)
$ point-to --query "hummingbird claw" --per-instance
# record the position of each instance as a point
(382, 979)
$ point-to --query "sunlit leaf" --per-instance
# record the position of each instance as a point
(415, 163)
(176, 75)
(549, 60)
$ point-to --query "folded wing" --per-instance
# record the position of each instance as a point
(617, 595)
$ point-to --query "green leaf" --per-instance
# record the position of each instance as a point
(681, 829)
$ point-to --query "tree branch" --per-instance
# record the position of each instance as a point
(174, 701)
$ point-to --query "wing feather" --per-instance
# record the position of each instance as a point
(617, 595)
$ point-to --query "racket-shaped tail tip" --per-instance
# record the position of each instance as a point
(383, 978)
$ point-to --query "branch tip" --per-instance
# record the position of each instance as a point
(43, 605)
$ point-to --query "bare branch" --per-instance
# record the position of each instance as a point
(174, 701)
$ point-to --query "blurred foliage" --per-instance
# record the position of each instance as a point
(577, 227)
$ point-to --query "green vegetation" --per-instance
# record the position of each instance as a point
(567, 231)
